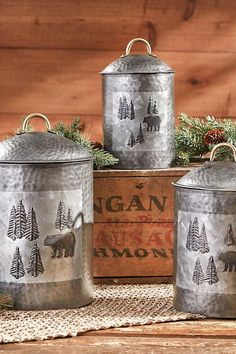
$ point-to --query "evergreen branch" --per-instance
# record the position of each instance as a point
(103, 158)
(195, 124)
(71, 131)
(190, 137)
(76, 124)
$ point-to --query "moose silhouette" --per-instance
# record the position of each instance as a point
(229, 260)
(153, 122)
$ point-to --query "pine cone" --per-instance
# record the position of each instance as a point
(97, 145)
(214, 136)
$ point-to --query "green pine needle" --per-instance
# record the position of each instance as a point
(101, 157)
(189, 139)
(72, 131)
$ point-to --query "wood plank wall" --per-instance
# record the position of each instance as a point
(52, 50)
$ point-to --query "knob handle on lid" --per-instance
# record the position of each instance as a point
(25, 125)
(129, 45)
(232, 147)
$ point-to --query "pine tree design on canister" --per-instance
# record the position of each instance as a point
(189, 241)
(69, 219)
(120, 109)
(139, 137)
(131, 111)
(196, 242)
(149, 107)
(17, 267)
(11, 231)
(31, 229)
(229, 239)
(155, 110)
(35, 266)
(152, 107)
(211, 273)
(195, 235)
(125, 110)
(131, 141)
(20, 219)
(198, 275)
(204, 247)
(61, 221)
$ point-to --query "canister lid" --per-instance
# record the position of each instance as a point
(137, 64)
(40, 147)
(212, 175)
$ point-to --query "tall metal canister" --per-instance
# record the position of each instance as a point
(205, 239)
(46, 215)
(138, 104)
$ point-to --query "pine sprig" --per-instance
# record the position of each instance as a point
(103, 158)
(190, 137)
(72, 131)
(194, 123)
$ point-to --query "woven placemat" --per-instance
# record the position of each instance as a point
(113, 306)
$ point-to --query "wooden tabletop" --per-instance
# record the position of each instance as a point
(202, 336)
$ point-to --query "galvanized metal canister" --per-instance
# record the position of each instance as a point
(46, 215)
(205, 239)
(138, 101)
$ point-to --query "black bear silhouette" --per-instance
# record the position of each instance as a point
(229, 260)
(61, 242)
(152, 121)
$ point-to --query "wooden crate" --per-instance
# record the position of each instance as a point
(133, 230)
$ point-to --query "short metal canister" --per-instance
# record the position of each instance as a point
(138, 104)
(46, 215)
(205, 239)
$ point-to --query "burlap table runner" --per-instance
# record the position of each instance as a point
(113, 306)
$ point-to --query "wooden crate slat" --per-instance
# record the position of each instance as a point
(133, 280)
(134, 199)
(133, 249)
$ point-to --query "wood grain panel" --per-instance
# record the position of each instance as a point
(196, 37)
(98, 8)
(204, 328)
(10, 122)
(170, 26)
(67, 82)
(125, 345)
(201, 336)
(222, 10)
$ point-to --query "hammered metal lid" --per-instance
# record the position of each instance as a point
(213, 175)
(137, 64)
(40, 147)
